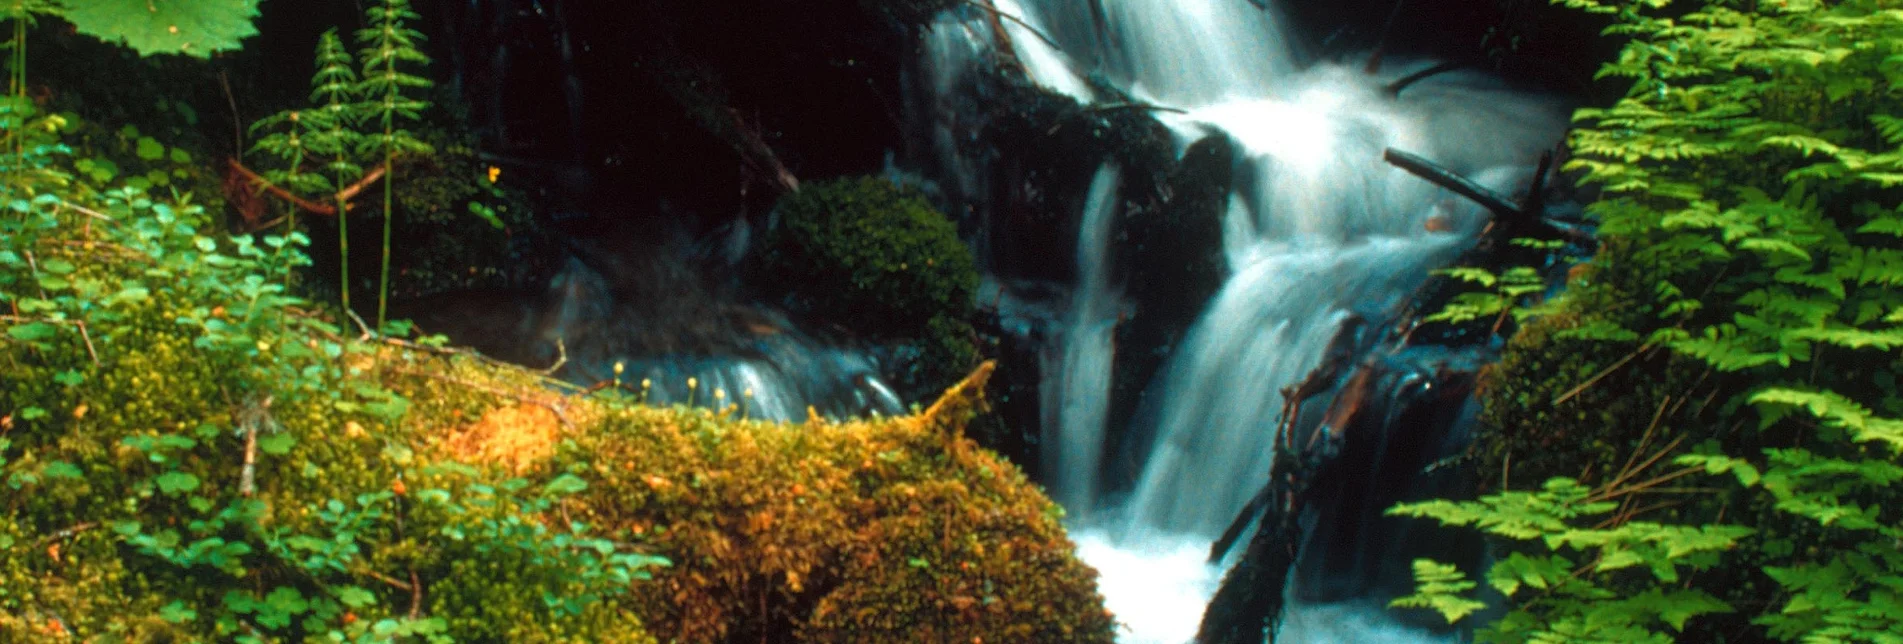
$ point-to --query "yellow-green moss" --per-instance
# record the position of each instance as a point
(898, 530)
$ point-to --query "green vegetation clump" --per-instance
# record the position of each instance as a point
(879, 260)
(1701, 439)
(194, 453)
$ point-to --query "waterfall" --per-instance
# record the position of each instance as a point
(1079, 392)
(1317, 230)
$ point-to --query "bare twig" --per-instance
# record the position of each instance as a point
(88, 339)
(367, 333)
(561, 358)
(247, 478)
(995, 13)
(87, 211)
(392, 581)
(1645, 439)
(1601, 375)
(67, 533)
(1394, 88)
(1136, 105)
(1381, 45)
(237, 123)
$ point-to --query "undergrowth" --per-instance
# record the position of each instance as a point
(1722, 374)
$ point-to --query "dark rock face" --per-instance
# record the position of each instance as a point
(1169, 252)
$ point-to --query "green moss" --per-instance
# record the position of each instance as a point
(880, 261)
(394, 489)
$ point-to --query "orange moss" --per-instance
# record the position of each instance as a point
(516, 437)
(864, 531)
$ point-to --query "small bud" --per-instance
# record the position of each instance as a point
(619, 367)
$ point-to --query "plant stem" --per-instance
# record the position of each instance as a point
(343, 250)
(383, 284)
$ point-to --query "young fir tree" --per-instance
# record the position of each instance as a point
(324, 133)
(387, 48)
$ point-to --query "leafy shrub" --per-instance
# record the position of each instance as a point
(190, 455)
(1750, 282)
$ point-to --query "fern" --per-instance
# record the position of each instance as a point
(1572, 601)
(1749, 175)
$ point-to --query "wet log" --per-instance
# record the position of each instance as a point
(1248, 605)
(1511, 219)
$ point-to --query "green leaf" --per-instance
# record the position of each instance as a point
(69, 378)
(177, 613)
(175, 483)
(355, 597)
(1440, 587)
(58, 266)
(277, 444)
(150, 149)
(564, 485)
(32, 331)
(62, 470)
(196, 28)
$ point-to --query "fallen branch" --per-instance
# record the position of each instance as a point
(67, 533)
(996, 14)
(1500, 205)
(342, 196)
(1394, 88)
(1510, 218)
(1135, 105)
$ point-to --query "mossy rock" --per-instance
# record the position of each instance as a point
(878, 260)
(867, 531)
(875, 254)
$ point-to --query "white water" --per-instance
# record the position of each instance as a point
(1083, 370)
(1319, 228)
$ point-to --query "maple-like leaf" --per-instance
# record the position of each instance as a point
(194, 28)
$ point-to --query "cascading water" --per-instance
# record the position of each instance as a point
(1080, 399)
(1318, 229)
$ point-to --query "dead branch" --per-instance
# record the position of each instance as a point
(1394, 88)
(1511, 219)
(996, 15)
(1500, 205)
(342, 196)
(416, 595)
(67, 533)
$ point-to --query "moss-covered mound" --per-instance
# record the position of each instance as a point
(190, 454)
(881, 262)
